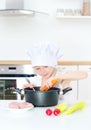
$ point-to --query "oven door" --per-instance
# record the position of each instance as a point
(10, 81)
(6, 91)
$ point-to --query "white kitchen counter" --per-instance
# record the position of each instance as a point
(36, 119)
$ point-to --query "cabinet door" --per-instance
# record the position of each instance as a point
(72, 95)
(84, 89)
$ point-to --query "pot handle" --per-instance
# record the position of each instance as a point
(17, 90)
(64, 91)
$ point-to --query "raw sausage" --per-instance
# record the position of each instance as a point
(20, 105)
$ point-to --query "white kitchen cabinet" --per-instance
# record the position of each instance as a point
(84, 86)
(81, 88)
(72, 95)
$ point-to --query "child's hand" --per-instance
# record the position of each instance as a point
(28, 86)
(65, 83)
(49, 85)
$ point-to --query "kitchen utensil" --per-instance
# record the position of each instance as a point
(45, 98)
(29, 83)
(17, 90)
(42, 98)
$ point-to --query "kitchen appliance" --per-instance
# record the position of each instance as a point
(13, 76)
(17, 8)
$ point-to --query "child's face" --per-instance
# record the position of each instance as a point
(44, 71)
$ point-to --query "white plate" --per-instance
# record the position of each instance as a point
(5, 106)
(19, 110)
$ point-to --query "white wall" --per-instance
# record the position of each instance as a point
(18, 33)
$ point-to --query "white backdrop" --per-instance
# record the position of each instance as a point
(18, 33)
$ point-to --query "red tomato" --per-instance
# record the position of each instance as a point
(49, 112)
(56, 112)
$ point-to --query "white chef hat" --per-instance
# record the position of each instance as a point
(46, 54)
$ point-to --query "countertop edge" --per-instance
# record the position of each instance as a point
(23, 62)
